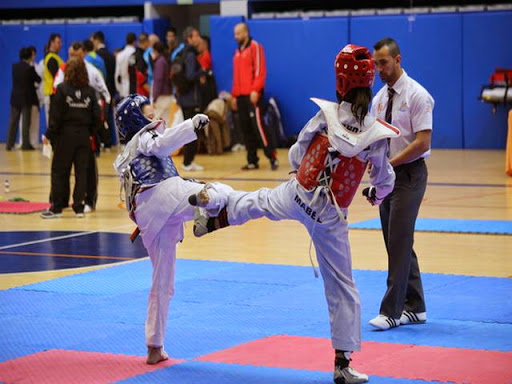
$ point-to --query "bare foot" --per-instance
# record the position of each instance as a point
(156, 355)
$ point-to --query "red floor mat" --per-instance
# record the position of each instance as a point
(57, 366)
(22, 207)
(404, 361)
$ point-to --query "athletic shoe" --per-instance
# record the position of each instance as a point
(192, 167)
(48, 214)
(238, 147)
(79, 215)
(88, 208)
(348, 375)
(384, 322)
(250, 166)
(409, 317)
(156, 355)
(274, 164)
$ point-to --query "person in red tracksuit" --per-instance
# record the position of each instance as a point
(249, 73)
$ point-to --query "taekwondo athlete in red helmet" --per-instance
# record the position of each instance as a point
(157, 200)
(330, 158)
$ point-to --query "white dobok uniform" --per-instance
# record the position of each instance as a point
(344, 147)
(159, 205)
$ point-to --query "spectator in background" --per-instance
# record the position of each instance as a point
(162, 90)
(190, 99)
(249, 73)
(138, 69)
(153, 39)
(98, 39)
(208, 87)
(73, 119)
(23, 96)
(93, 58)
(97, 83)
(204, 57)
(35, 102)
(171, 39)
(95, 78)
(122, 77)
(52, 63)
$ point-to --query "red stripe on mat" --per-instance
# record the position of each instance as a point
(57, 366)
(405, 361)
(22, 207)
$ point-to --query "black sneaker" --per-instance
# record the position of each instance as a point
(250, 167)
(274, 164)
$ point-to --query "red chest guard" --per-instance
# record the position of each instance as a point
(340, 174)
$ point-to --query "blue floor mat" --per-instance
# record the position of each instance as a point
(220, 304)
(501, 227)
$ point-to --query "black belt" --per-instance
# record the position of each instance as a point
(414, 163)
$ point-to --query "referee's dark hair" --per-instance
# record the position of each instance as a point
(394, 50)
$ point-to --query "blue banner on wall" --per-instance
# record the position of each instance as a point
(431, 48)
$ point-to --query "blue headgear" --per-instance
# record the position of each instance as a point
(129, 116)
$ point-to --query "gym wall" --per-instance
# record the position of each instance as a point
(450, 54)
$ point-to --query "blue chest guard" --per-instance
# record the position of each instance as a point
(150, 170)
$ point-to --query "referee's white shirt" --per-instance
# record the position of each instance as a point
(411, 113)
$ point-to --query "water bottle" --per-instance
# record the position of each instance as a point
(7, 186)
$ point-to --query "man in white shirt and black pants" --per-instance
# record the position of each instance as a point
(122, 63)
(404, 103)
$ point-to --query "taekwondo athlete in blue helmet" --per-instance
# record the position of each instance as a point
(157, 200)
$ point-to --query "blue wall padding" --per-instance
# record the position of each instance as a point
(14, 37)
(485, 47)
(223, 46)
(156, 26)
(20, 4)
(436, 51)
(452, 55)
(300, 63)
(431, 54)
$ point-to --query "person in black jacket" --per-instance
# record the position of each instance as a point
(190, 100)
(23, 78)
(74, 116)
(98, 40)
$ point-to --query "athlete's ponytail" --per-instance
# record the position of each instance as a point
(360, 99)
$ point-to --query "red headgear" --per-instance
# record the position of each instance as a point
(354, 68)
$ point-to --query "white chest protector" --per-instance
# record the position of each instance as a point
(331, 159)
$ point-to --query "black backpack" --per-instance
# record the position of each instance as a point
(178, 77)
(272, 119)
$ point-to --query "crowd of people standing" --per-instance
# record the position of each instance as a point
(72, 111)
